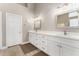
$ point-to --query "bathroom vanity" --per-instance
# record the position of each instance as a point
(55, 43)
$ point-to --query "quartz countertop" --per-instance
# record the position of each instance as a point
(70, 35)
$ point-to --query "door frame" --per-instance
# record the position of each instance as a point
(1, 29)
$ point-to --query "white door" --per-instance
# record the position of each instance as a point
(0, 29)
(13, 29)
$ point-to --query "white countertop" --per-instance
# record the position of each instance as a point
(70, 35)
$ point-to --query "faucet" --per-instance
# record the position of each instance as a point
(65, 32)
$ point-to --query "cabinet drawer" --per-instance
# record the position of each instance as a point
(42, 36)
(44, 48)
(32, 35)
(70, 42)
(53, 38)
(39, 36)
(43, 42)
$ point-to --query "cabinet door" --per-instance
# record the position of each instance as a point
(69, 51)
(44, 43)
(35, 39)
(32, 38)
(53, 48)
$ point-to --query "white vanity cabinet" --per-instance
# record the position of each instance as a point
(53, 45)
(32, 38)
(53, 48)
(59, 49)
(70, 47)
(38, 40)
(41, 42)
(70, 51)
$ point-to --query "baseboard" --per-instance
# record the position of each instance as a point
(21, 44)
(24, 43)
(4, 47)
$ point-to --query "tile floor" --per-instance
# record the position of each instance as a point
(22, 50)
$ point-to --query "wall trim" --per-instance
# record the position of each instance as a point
(24, 43)
(4, 47)
(8, 46)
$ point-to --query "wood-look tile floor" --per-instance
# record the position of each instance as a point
(12, 51)
(27, 48)
(40, 54)
(22, 50)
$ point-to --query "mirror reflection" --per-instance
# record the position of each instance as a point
(68, 20)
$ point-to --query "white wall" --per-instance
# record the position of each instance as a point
(46, 10)
(17, 9)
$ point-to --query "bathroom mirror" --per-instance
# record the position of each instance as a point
(63, 20)
(37, 25)
(70, 20)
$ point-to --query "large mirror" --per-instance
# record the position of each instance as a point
(70, 19)
(62, 20)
